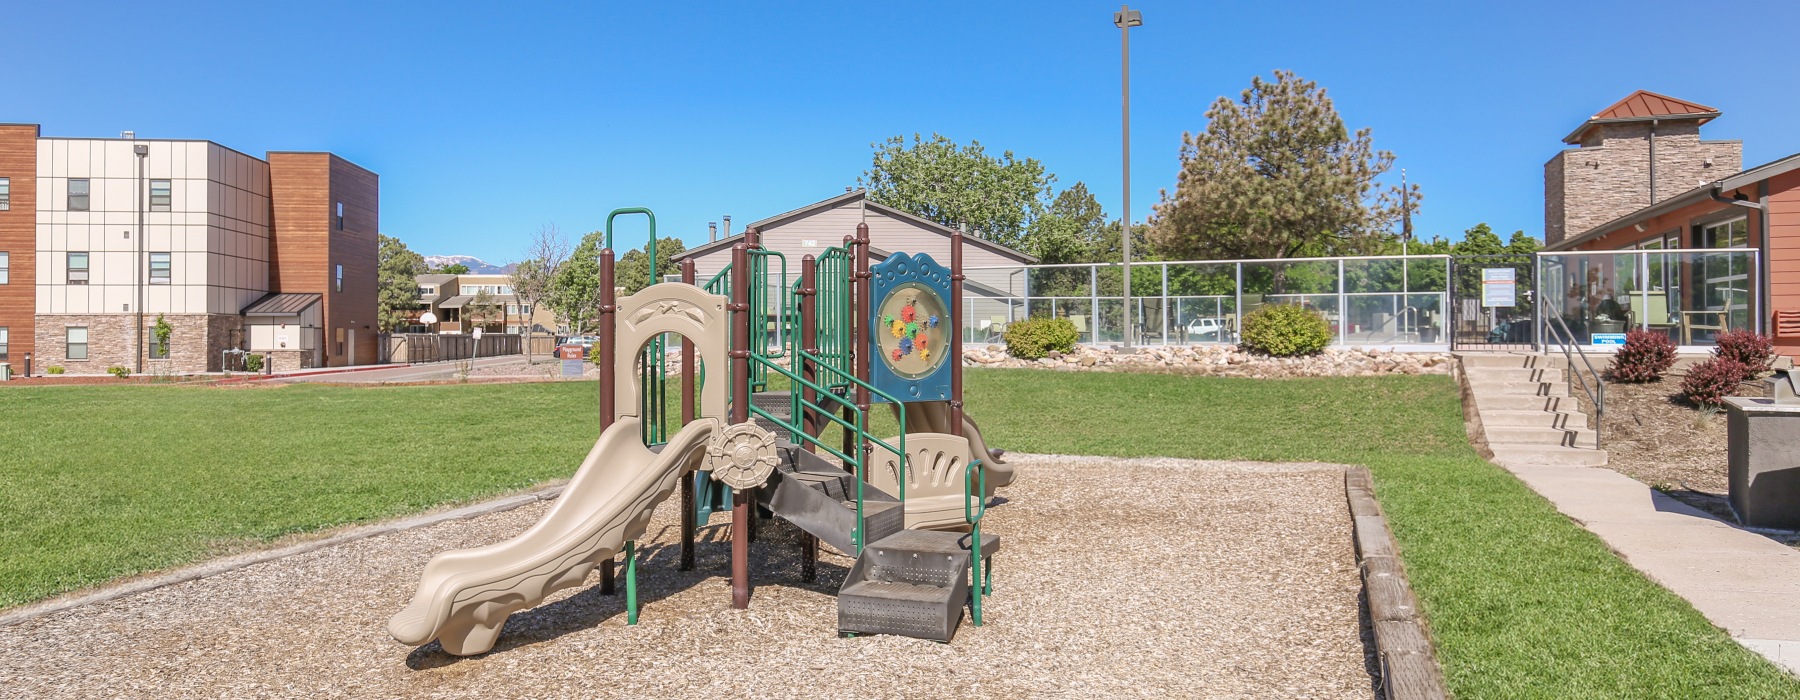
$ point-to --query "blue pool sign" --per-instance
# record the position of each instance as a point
(1609, 338)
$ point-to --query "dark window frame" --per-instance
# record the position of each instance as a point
(156, 350)
(87, 191)
(340, 216)
(86, 267)
(167, 196)
(69, 343)
(168, 268)
(338, 284)
(5, 193)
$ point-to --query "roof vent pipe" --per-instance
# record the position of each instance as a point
(712, 231)
(727, 226)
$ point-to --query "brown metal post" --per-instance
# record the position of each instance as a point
(609, 307)
(688, 525)
(860, 339)
(956, 333)
(740, 412)
(809, 419)
(856, 349)
(809, 341)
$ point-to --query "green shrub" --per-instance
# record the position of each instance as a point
(253, 363)
(1034, 338)
(54, 369)
(118, 371)
(1285, 330)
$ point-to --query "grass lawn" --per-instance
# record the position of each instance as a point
(99, 482)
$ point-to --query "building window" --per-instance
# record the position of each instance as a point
(1730, 234)
(340, 278)
(158, 350)
(5, 193)
(78, 195)
(78, 268)
(428, 291)
(160, 199)
(340, 214)
(159, 268)
(3, 343)
(76, 343)
(5, 266)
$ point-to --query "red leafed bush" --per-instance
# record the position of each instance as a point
(1708, 383)
(1753, 350)
(1645, 357)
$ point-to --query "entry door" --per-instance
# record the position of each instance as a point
(350, 346)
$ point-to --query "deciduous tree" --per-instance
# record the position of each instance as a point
(575, 289)
(534, 277)
(950, 184)
(633, 273)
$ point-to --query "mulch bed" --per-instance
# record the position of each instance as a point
(89, 379)
(1238, 580)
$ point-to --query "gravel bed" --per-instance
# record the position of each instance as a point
(1117, 578)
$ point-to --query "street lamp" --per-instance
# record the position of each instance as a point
(137, 276)
(1125, 19)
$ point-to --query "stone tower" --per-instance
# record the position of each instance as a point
(1643, 149)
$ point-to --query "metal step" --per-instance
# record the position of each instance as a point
(820, 498)
(777, 403)
(913, 583)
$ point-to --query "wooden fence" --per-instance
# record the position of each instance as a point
(413, 348)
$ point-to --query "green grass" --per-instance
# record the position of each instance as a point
(1522, 602)
(101, 482)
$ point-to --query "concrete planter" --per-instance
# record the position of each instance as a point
(1764, 451)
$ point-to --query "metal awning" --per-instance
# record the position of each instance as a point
(282, 304)
(456, 302)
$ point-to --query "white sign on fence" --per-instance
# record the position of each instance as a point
(1498, 287)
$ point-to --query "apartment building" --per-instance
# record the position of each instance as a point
(101, 237)
(452, 300)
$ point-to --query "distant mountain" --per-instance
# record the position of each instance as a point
(476, 265)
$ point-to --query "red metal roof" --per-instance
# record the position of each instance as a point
(1645, 105)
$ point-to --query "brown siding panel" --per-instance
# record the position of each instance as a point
(307, 246)
(18, 237)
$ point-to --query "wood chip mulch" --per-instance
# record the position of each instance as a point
(1152, 578)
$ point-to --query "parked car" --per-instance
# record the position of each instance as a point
(1205, 329)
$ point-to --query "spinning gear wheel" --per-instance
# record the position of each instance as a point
(742, 456)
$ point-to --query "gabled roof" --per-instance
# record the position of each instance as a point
(433, 279)
(1644, 105)
(282, 304)
(846, 198)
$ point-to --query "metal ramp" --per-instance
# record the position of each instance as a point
(820, 498)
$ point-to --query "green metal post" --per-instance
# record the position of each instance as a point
(631, 607)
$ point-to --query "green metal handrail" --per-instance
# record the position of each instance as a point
(975, 479)
(861, 431)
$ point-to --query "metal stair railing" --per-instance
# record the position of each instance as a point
(975, 490)
(1557, 331)
(859, 428)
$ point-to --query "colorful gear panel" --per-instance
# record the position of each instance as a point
(913, 320)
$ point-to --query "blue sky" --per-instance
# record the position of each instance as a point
(485, 122)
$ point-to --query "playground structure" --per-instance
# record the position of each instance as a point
(908, 508)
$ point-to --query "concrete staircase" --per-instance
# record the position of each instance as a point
(1527, 412)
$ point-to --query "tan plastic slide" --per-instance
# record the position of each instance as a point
(465, 595)
(934, 417)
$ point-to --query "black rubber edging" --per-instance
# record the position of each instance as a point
(1409, 667)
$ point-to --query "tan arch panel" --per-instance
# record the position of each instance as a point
(671, 307)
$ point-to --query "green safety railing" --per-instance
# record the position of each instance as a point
(975, 480)
(858, 427)
(832, 279)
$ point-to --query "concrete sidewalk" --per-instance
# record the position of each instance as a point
(1741, 581)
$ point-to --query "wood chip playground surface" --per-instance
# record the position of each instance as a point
(1117, 578)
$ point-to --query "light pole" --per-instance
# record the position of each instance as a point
(1125, 19)
(137, 275)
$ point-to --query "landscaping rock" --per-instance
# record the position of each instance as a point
(1223, 360)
